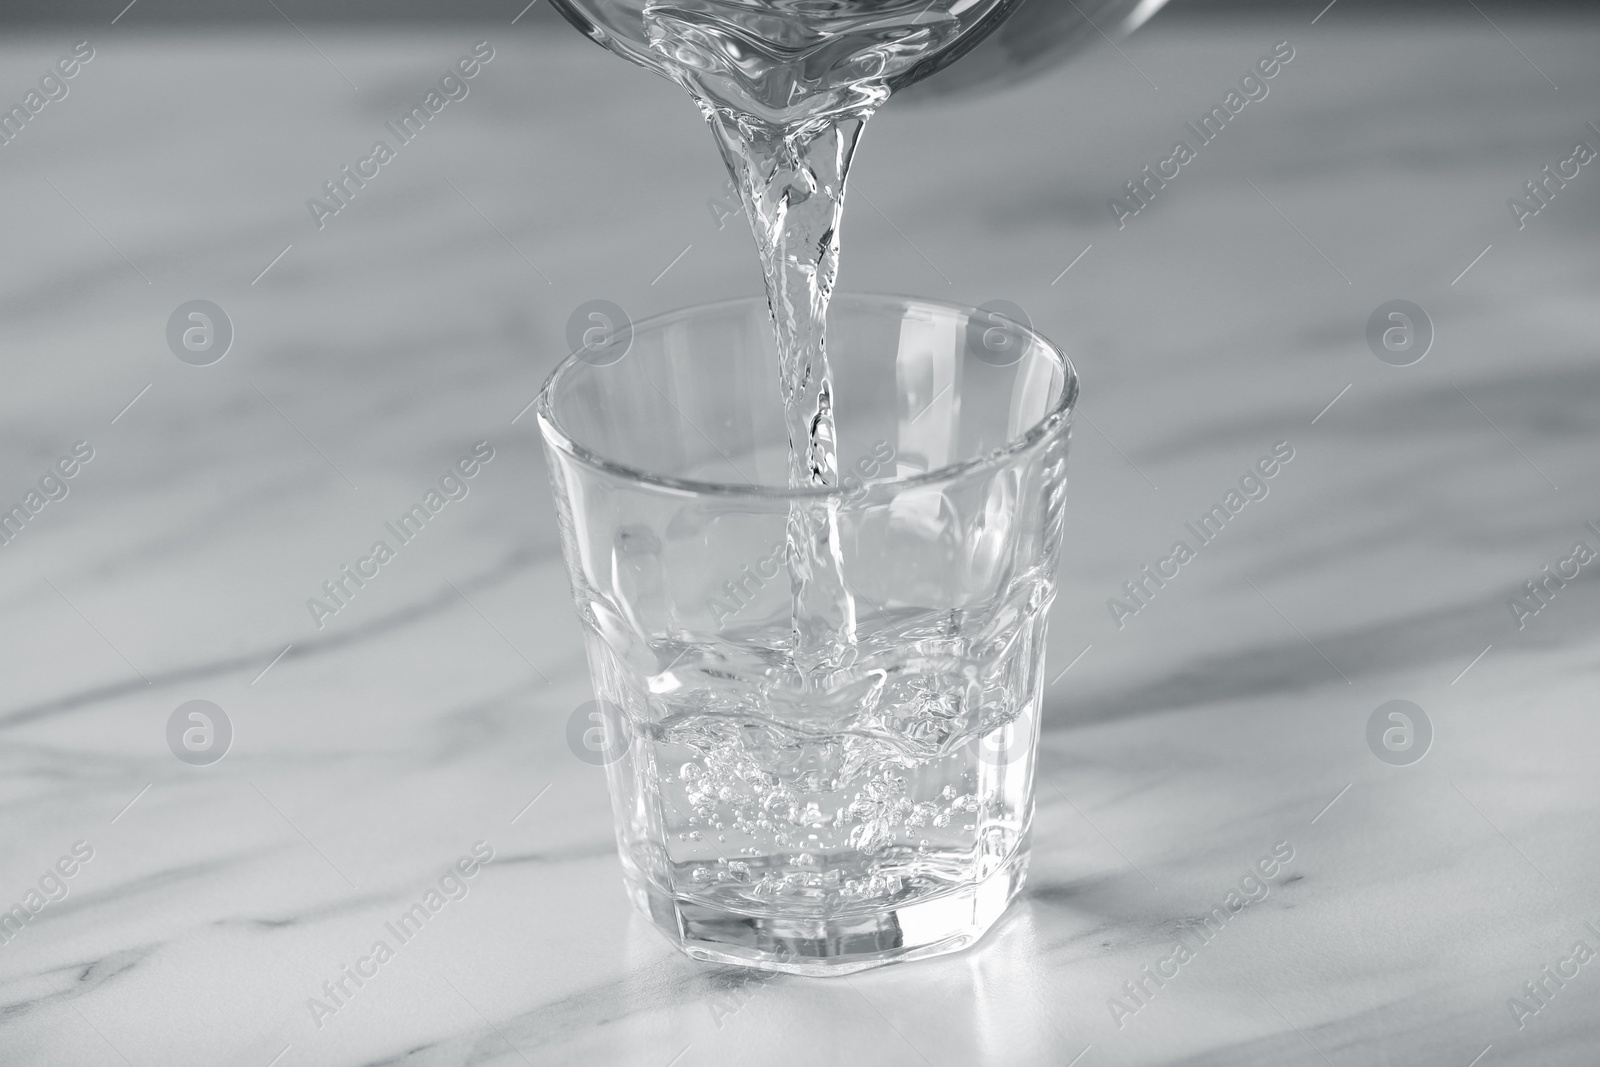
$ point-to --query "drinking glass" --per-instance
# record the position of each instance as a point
(816, 817)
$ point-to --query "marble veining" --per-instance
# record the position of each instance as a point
(1226, 717)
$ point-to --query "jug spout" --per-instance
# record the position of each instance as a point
(789, 61)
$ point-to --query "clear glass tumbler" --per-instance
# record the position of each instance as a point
(816, 817)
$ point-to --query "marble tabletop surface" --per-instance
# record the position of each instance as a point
(372, 749)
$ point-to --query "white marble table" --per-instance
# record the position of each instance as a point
(1227, 716)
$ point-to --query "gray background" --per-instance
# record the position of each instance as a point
(1227, 716)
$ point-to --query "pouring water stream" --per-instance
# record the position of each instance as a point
(787, 87)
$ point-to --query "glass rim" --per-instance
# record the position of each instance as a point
(1057, 419)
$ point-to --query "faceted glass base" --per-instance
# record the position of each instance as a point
(821, 948)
